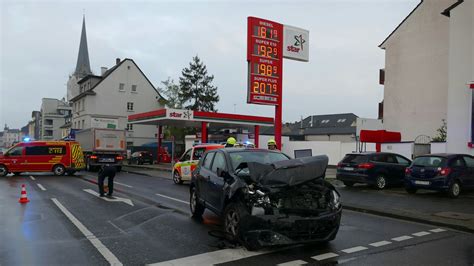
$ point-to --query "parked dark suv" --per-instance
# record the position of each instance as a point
(442, 172)
(379, 169)
(265, 198)
(141, 157)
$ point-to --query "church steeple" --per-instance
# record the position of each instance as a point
(83, 67)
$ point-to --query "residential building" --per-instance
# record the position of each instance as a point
(10, 136)
(53, 115)
(460, 99)
(108, 99)
(34, 125)
(416, 72)
(330, 127)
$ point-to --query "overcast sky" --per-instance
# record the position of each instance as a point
(40, 42)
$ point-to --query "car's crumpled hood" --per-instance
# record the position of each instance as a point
(288, 173)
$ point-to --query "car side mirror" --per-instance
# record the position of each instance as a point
(222, 173)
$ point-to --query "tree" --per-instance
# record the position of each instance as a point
(442, 132)
(196, 91)
(170, 91)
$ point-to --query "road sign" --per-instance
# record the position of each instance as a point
(265, 60)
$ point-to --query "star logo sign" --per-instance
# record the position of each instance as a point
(299, 41)
(187, 114)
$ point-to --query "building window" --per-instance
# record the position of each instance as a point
(48, 122)
(121, 87)
(83, 104)
(341, 120)
(79, 106)
(134, 88)
(48, 133)
(129, 127)
(129, 106)
(83, 124)
(325, 121)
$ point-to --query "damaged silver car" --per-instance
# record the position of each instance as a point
(265, 198)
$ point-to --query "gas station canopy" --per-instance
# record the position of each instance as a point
(191, 118)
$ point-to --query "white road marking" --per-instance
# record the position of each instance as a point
(380, 243)
(401, 238)
(116, 199)
(32, 177)
(422, 233)
(437, 230)
(325, 256)
(122, 184)
(354, 249)
(41, 187)
(293, 263)
(106, 253)
(211, 258)
(168, 197)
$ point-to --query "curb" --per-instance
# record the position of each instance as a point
(407, 218)
(149, 168)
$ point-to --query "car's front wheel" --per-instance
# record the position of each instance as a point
(197, 209)
(233, 214)
(454, 189)
(380, 182)
(177, 178)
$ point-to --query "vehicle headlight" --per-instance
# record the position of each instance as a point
(335, 199)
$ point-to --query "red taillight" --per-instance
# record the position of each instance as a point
(366, 165)
(444, 171)
(93, 157)
(408, 171)
(119, 157)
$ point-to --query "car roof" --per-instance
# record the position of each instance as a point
(372, 153)
(445, 155)
(209, 146)
(245, 149)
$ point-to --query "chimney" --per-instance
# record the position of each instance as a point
(103, 70)
(117, 61)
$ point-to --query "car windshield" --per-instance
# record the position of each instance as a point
(264, 157)
(355, 158)
(429, 161)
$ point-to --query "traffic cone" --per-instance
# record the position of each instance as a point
(23, 197)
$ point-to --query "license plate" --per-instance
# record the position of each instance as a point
(419, 182)
(348, 168)
(106, 160)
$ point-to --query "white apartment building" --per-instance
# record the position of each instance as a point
(9, 137)
(53, 114)
(460, 100)
(107, 100)
(416, 72)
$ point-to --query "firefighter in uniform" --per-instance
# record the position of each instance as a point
(230, 142)
(272, 145)
(109, 172)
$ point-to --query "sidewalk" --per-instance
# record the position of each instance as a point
(424, 206)
(156, 170)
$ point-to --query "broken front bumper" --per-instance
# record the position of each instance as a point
(273, 230)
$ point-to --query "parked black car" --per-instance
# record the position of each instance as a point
(379, 169)
(449, 173)
(141, 157)
(265, 198)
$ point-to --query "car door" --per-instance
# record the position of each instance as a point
(469, 180)
(402, 164)
(185, 165)
(459, 169)
(14, 159)
(216, 183)
(203, 174)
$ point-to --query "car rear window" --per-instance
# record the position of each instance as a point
(429, 161)
(198, 152)
(355, 158)
(264, 157)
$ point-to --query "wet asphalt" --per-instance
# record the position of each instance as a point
(158, 229)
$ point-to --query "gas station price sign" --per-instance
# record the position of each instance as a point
(265, 61)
